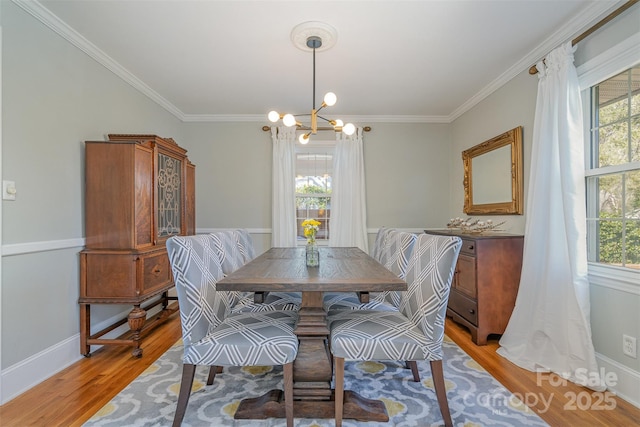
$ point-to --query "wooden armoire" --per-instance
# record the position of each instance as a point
(139, 191)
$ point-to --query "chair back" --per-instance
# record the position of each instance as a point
(228, 252)
(244, 244)
(394, 255)
(196, 270)
(379, 242)
(429, 274)
(396, 251)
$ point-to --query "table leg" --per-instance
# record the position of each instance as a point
(312, 374)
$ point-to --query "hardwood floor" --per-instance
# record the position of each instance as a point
(72, 396)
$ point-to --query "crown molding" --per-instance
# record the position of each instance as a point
(595, 11)
(574, 27)
(261, 118)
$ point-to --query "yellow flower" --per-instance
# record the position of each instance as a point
(310, 229)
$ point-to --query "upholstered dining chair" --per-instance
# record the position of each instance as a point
(415, 332)
(214, 336)
(379, 242)
(395, 249)
(244, 244)
(234, 251)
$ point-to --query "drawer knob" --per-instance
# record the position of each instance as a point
(471, 247)
(472, 311)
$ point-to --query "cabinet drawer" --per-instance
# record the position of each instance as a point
(464, 306)
(468, 247)
(156, 272)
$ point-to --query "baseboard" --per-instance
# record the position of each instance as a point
(30, 372)
(627, 385)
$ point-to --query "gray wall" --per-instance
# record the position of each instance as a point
(54, 97)
(406, 173)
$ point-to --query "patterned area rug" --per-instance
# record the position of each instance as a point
(475, 397)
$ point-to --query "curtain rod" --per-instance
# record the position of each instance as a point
(364, 128)
(533, 70)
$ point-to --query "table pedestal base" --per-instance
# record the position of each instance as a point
(271, 405)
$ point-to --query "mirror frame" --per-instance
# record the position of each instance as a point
(511, 138)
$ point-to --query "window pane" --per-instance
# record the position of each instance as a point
(635, 91)
(610, 238)
(613, 199)
(609, 196)
(635, 139)
(632, 194)
(635, 103)
(313, 191)
(614, 111)
(632, 243)
(614, 147)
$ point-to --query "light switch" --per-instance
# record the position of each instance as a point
(8, 190)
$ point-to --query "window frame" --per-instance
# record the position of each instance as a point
(317, 146)
(611, 62)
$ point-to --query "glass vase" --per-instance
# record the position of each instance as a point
(312, 254)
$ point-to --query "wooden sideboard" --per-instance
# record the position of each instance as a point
(485, 282)
(139, 191)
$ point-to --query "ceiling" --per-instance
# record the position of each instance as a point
(424, 61)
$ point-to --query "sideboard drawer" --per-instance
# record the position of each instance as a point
(156, 272)
(465, 307)
(468, 247)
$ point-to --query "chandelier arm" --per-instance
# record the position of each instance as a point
(325, 119)
(365, 128)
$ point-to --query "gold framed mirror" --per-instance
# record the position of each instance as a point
(493, 175)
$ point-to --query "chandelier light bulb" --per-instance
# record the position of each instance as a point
(273, 116)
(303, 138)
(330, 99)
(289, 120)
(339, 123)
(349, 129)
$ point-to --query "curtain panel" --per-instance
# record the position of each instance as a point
(283, 187)
(549, 329)
(348, 222)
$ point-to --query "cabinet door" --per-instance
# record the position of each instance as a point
(170, 196)
(191, 199)
(143, 199)
(466, 269)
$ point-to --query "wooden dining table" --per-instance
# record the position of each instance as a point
(340, 270)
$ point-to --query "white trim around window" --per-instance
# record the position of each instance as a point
(613, 61)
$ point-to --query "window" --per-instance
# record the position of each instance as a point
(613, 172)
(314, 169)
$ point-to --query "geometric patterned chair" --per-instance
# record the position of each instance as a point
(235, 249)
(379, 242)
(415, 332)
(394, 252)
(245, 244)
(212, 335)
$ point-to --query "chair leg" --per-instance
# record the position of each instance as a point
(188, 372)
(339, 392)
(213, 370)
(441, 392)
(288, 393)
(413, 365)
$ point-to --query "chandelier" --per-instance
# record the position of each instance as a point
(312, 33)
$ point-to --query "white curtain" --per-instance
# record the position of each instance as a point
(284, 203)
(549, 329)
(348, 222)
